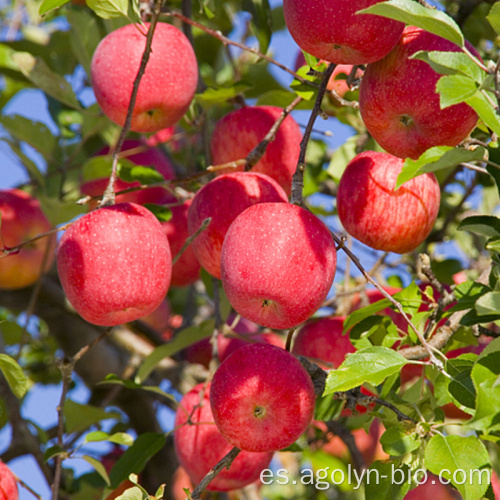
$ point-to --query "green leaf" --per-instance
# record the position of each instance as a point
(486, 225)
(391, 483)
(489, 303)
(485, 110)
(13, 373)
(78, 417)
(129, 384)
(302, 89)
(101, 470)
(109, 9)
(118, 437)
(327, 408)
(261, 23)
(136, 457)
(467, 294)
(182, 340)
(437, 158)
(48, 5)
(213, 97)
(454, 456)
(451, 63)
(144, 175)
(494, 17)
(454, 89)
(396, 442)
(341, 157)
(52, 452)
(40, 75)
(134, 493)
(373, 364)
(281, 99)
(162, 213)
(410, 12)
(365, 312)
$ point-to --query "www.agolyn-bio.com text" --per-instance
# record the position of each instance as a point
(323, 479)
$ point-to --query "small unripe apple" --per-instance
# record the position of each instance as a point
(399, 103)
(223, 199)
(199, 445)
(372, 212)
(186, 270)
(8, 484)
(277, 264)
(167, 86)
(262, 398)
(21, 218)
(237, 133)
(332, 30)
(115, 264)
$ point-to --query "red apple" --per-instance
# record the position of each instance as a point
(322, 340)
(163, 135)
(187, 268)
(167, 86)
(149, 157)
(223, 199)
(8, 484)
(21, 218)
(200, 446)
(277, 264)
(159, 320)
(262, 398)
(237, 133)
(372, 212)
(114, 264)
(399, 104)
(333, 31)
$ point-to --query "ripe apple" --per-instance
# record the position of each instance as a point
(401, 123)
(8, 484)
(223, 199)
(167, 86)
(237, 133)
(262, 398)
(115, 264)
(278, 261)
(322, 340)
(372, 212)
(187, 269)
(150, 157)
(200, 446)
(21, 218)
(333, 31)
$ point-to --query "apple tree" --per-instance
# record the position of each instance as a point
(252, 309)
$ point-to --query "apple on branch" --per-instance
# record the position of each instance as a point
(167, 86)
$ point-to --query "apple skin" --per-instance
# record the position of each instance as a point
(402, 124)
(167, 86)
(115, 264)
(237, 133)
(200, 447)
(223, 199)
(334, 32)
(22, 219)
(8, 484)
(278, 262)
(151, 157)
(262, 398)
(187, 268)
(373, 213)
(322, 340)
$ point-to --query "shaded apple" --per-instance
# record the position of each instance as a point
(114, 264)
(277, 264)
(373, 213)
(399, 103)
(333, 31)
(186, 270)
(237, 133)
(22, 219)
(223, 199)
(432, 488)
(199, 445)
(262, 398)
(146, 157)
(8, 484)
(167, 86)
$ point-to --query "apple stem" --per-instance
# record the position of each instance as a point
(225, 462)
(215, 361)
(108, 197)
(298, 176)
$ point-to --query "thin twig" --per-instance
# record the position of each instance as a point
(345, 435)
(190, 239)
(298, 176)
